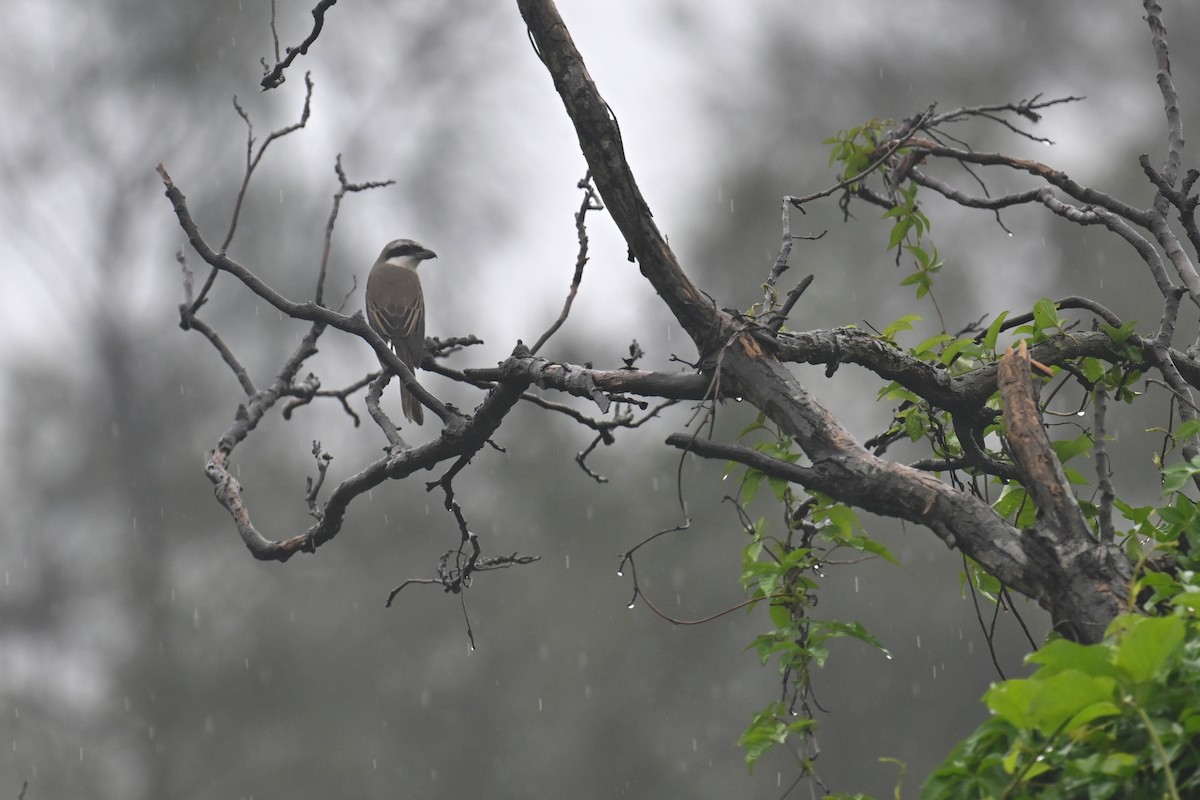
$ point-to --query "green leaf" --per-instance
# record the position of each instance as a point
(750, 485)
(1049, 703)
(1010, 500)
(1146, 644)
(902, 324)
(1118, 335)
(829, 629)
(1175, 476)
(1045, 314)
(1138, 514)
(914, 425)
(779, 487)
(1060, 655)
(993, 331)
(1068, 449)
(870, 546)
(930, 343)
(756, 425)
(899, 231)
(966, 346)
(1188, 429)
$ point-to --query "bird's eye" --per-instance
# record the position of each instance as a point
(402, 250)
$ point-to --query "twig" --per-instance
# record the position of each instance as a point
(314, 487)
(252, 162)
(891, 149)
(344, 186)
(274, 76)
(590, 202)
(374, 395)
(1103, 466)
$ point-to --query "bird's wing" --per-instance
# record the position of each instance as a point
(400, 320)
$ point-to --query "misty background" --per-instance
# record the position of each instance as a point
(145, 654)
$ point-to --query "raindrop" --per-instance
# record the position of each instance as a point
(888, 656)
(539, 704)
(589, 513)
(731, 205)
(181, 390)
(631, 604)
(374, 763)
(918, 641)
(1080, 413)
(567, 559)
(281, 197)
(695, 745)
(620, 573)
(6, 577)
(856, 583)
(1010, 235)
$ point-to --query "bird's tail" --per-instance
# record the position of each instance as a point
(413, 412)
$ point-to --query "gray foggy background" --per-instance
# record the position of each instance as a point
(145, 654)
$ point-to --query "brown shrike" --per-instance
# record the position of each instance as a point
(396, 309)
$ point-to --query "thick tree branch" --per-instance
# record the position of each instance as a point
(602, 145)
(1045, 480)
(743, 363)
(462, 443)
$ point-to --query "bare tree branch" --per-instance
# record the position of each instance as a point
(274, 76)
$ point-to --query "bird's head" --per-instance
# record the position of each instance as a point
(405, 253)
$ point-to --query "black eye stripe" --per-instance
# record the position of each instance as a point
(403, 250)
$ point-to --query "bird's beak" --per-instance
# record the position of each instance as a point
(425, 254)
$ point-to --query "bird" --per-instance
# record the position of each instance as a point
(396, 309)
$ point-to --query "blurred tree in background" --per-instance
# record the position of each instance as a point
(146, 656)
